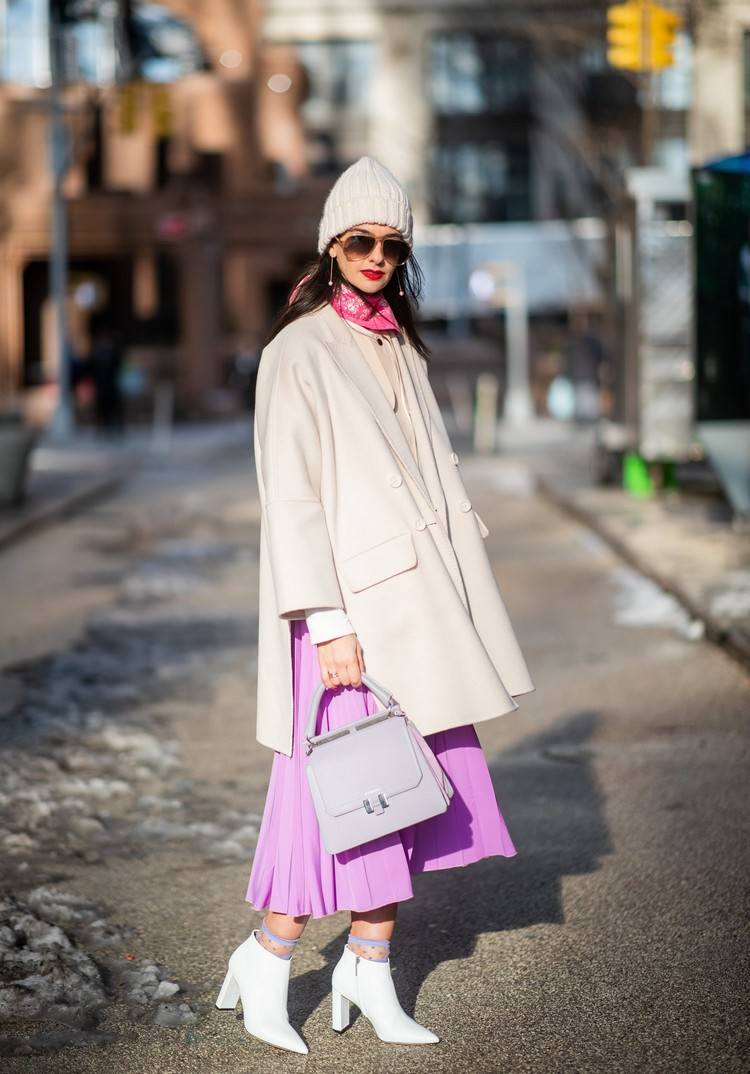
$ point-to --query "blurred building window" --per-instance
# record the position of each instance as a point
(480, 89)
(340, 74)
(336, 107)
(163, 47)
(469, 74)
(480, 183)
(101, 44)
(23, 40)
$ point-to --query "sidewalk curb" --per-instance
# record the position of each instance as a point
(49, 513)
(735, 642)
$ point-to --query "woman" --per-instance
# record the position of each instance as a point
(371, 558)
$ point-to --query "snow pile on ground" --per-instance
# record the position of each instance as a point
(640, 602)
(89, 771)
(57, 966)
(108, 789)
(42, 971)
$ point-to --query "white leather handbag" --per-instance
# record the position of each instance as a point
(372, 776)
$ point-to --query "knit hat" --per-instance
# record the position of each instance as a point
(366, 192)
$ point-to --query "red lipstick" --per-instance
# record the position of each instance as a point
(372, 274)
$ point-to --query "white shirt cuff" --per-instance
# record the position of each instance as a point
(325, 624)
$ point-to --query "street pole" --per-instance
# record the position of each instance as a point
(648, 116)
(485, 423)
(502, 284)
(63, 421)
(518, 408)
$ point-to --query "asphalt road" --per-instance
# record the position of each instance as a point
(132, 787)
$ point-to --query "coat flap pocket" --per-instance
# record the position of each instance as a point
(379, 562)
(482, 528)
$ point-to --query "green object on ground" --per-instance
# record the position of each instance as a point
(636, 478)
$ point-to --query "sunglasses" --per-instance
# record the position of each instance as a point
(357, 247)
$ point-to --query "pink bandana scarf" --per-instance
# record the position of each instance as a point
(372, 312)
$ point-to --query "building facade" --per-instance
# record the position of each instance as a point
(194, 195)
(181, 225)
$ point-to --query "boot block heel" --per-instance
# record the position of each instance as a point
(229, 993)
(340, 1011)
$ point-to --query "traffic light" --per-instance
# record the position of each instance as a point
(662, 28)
(641, 35)
(625, 36)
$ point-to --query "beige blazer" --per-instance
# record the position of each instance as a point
(349, 520)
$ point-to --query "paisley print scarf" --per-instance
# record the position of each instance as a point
(372, 312)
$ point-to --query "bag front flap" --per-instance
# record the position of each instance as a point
(381, 757)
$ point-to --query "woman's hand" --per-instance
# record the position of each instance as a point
(344, 656)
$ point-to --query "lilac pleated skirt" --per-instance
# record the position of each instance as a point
(293, 873)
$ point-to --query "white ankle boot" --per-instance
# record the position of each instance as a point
(261, 980)
(369, 985)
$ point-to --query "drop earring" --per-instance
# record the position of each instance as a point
(330, 278)
(400, 283)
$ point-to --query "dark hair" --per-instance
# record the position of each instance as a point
(312, 292)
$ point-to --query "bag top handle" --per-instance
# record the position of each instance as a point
(381, 692)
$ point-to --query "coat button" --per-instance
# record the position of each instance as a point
(420, 523)
(395, 480)
(465, 505)
(454, 457)
(380, 342)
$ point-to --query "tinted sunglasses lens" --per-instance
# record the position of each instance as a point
(358, 246)
(396, 251)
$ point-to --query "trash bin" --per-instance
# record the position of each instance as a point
(16, 442)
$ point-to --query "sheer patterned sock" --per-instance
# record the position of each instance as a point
(277, 945)
(374, 950)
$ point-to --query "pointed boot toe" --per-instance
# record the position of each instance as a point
(261, 980)
(369, 985)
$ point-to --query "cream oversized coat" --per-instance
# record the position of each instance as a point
(348, 520)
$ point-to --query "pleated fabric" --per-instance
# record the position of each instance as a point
(293, 873)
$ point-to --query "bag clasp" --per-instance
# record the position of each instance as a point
(375, 802)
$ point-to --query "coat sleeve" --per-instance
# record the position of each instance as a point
(288, 464)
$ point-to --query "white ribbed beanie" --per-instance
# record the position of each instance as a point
(365, 193)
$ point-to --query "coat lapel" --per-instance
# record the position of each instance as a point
(353, 365)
